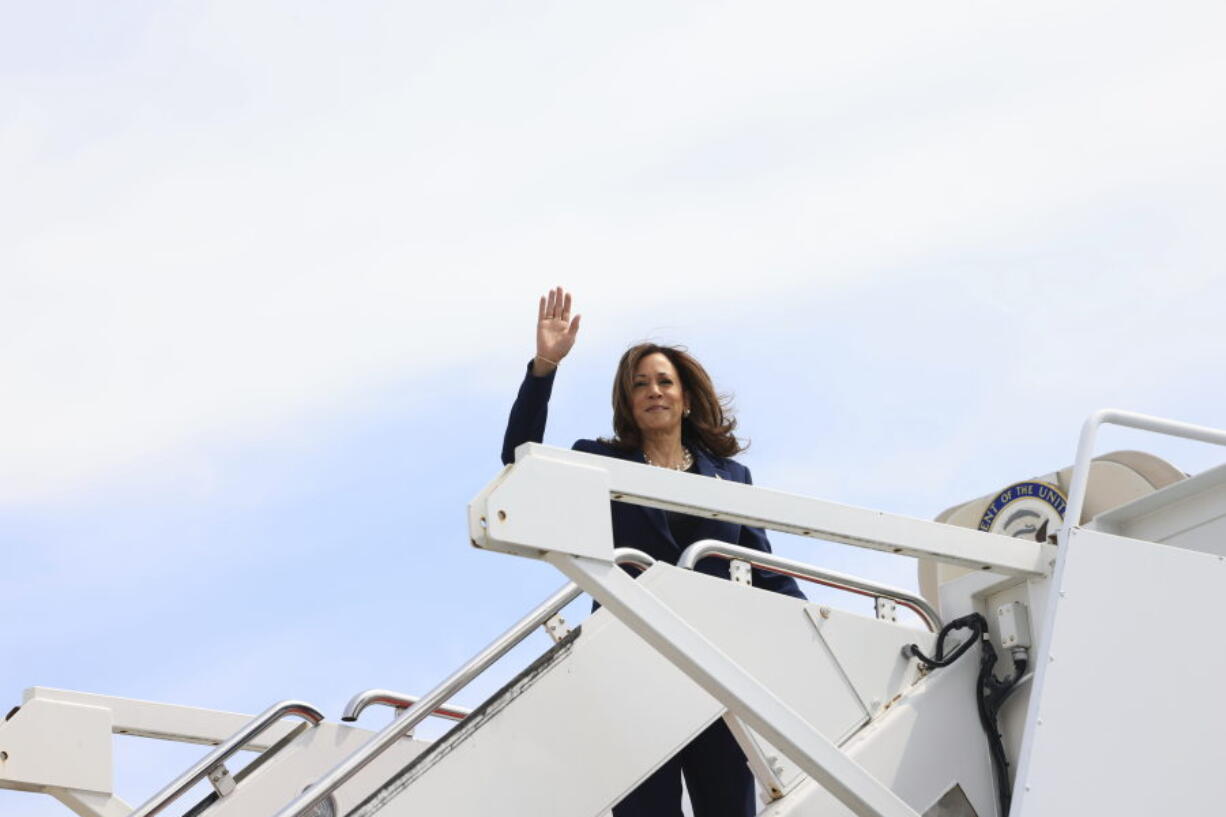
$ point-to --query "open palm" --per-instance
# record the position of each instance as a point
(555, 329)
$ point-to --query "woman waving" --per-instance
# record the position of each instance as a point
(667, 414)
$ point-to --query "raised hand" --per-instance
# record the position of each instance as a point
(555, 331)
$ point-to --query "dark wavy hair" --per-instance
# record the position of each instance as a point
(710, 423)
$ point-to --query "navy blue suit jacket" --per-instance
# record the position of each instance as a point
(635, 525)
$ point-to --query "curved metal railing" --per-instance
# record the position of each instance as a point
(807, 572)
(214, 762)
(437, 697)
(397, 700)
(633, 557)
(1131, 419)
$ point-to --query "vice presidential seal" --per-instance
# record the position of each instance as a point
(1025, 510)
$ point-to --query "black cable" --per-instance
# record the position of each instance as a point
(974, 622)
(990, 691)
(1022, 665)
(987, 687)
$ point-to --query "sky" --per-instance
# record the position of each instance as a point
(270, 275)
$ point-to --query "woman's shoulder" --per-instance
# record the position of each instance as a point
(729, 466)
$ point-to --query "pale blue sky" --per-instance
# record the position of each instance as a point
(271, 270)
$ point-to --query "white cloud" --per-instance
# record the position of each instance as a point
(256, 213)
(237, 222)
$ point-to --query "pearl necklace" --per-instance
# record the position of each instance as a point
(687, 461)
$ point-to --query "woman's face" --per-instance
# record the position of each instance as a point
(656, 396)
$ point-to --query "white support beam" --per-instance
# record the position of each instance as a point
(90, 804)
(732, 686)
(54, 743)
(541, 503)
(775, 510)
(763, 770)
(185, 724)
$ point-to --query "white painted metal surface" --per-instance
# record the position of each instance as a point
(752, 505)
(91, 804)
(774, 778)
(1119, 718)
(924, 744)
(545, 748)
(212, 766)
(853, 660)
(869, 655)
(55, 743)
(149, 719)
(736, 689)
(60, 742)
(1189, 514)
(723, 678)
(518, 512)
(402, 726)
(568, 737)
(305, 760)
(1124, 718)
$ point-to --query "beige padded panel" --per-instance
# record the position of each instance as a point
(1115, 479)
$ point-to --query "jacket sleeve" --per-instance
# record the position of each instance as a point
(769, 580)
(528, 413)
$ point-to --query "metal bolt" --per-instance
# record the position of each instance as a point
(825, 611)
(4, 756)
(502, 516)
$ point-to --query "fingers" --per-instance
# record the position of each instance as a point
(574, 327)
(555, 305)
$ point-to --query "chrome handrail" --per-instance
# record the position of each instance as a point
(633, 557)
(385, 697)
(437, 697)
(214, 759)
(800, 570)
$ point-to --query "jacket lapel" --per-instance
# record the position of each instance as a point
(706, 466)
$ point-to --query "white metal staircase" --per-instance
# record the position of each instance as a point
(834, 710)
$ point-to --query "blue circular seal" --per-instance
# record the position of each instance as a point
(1025, 509)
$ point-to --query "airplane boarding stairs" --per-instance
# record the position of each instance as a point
(600, 710)
(1104, 724)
